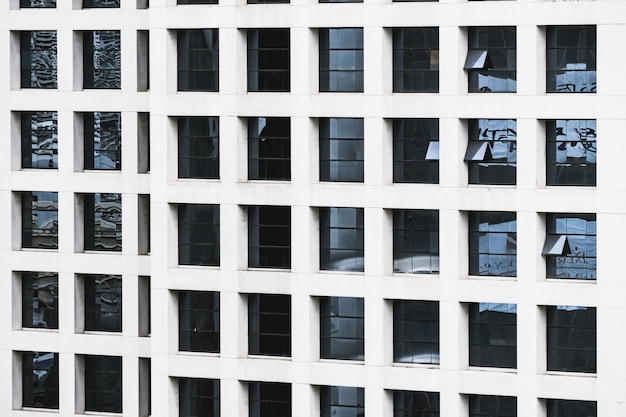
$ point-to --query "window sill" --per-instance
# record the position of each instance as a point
(492, 277)
(492, 369)
(195, 353)
(574, 374)
(416, 365)
(270, 357)
(342, 361)
(571, 280)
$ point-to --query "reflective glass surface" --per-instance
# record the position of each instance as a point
(39, 139)
(571, 152)
(269, 237)
(341, 239)
(198, 147)
(38, 3)
(416, 241)
(103, 383)
(496, 162)
(493, 335)
(103, 302)
(199, 321)
(341, 150)
(38, 59)
(198, 60)
(492, 406)
(578, 259)
(269, 399)
(269, 324)
(103, 141)
(341, 60)
(342, 328)
(415, 60)
(198, 234)
(415, 404)
(40, 220)
(102, 64)
(571, 408)
(493, 243)
(498, 74)
(268, 60)
(342, 402)
(198, 397)
(40, 380)
(103, 222)
(416, 150)
(571, 59)
(100, 3)
(269, 148)
(571, 338)
(40, 300)
(416, 331)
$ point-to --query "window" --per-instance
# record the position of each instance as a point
(39, 135)
(103, 141)
(38, 59)
(492, 406)
(491, 59)
(199, 234)
(103, 222)
(493, 243)
(492, 151)
(571, 408)
(571, 152)
(570, 246)
(267, 1)
(416, 331)
(415, 403)
(103, 302)
(198, 59)
(571, 59)
(269, 148)
(571, 338)
(342, 328)
(269, 237)
(269, 399)
(103, 383)
(27, 4)
(40, 380)
(198, 397)
(196, 2)
(342, 401)
(341, 150)
(40, 300)
(40, 220)
(198, 147)
(102, 64)
(341, 239)
(493, 335)
(416, 150)
(341, 60)
(87, 4)
(416, 60)
(416, 241)
(268, 60)
(269, 324)
(199, 321)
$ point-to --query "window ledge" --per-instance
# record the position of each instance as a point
(574, 374)
(492, 277)
(342, 361)
(491, 369)
(37, 329)
(191, 353)
(416, 365)
(39, 410)
(571, 280)
(270, 357)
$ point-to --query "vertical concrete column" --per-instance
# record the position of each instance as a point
(129, 59)
(129, 143)
(130, 224)
(452, 146)
(531, 60)
(375, 67)
(531, 154)
(305, 344)
(375, 151)
(130, 386)
(452, 51)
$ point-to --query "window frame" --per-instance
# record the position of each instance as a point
(416, 331)
(487, 59)
(567, 356)
(413, 231)
(338, 226)
(205, 216)
(107, 206)
(331, 401)
(492, 406)
(46, 126)
(555, 48)
(101, 4)
(95, 55)
(36, 235)
(269, 237)
(202, 403)
(267, 54)
(269, 325)
(346, 317)
(414, 403)
(486, 164)
(199, 153)
(488, 225)
(196, 322)
(269, 399)
(269, 148)
(193, 50)
(47, 307)
(493, 335)
(100, 290)
(45, 4)
(407, 67)
(586, 408)
(94, 133)
(561, 248)
(416, 151)
(581, 141)
(48, 375)
(100, 369)
(41, 59)
(354, 73)
(341, 149)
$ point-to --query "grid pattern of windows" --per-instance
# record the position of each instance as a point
(198, 60)
(341, 150)
(342, 328)
(198, 397)
(198, 234)
(492, 406)
(103, 222)
(493, 335)
(269, 399)
(103, 302)
(39, 139)
(342, 401)
(269, 237)
(492, 151)
(571, 59)
(415, 403)
(341, 60)
(571, 338)
(38, 59)
(103, 141)
(493, 243)
(40, 380)
(571, 152)
(269, 324)
(416, 150)
(199, 321)
(416, 331)
(102, 59)
(416, 60)
(416, 241)
(198, 147)
(570, 246)
(491, 59)
(268, 60)
(341, 239)
(40, 220)
(40, 300)
(269, 148)
(103, 383)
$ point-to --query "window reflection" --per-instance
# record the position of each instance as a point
(103, 141)
(570, 246)
(39, 139)
(198, 397)
(341, 60)
(199, 321)
(571, 338)
(341, 150)
(493, 243)
(571, 59)
(416, 241)
(40, 380)
(493, 335)
(198, 147)
(40, 300)
(103, 302)
(416, 150)
(198, 60)
(269, 324)
(269, 148)
(415, 60)
(341, 239)
(40, 220)
(38, 59)
(103, 383)
(416, 331)
(102, 64)
(571, 152)
(103, 222)
(342, 401)
(199, 234)
(415, 403)
(38, 3)
(342, 328)
(268, 60)
(491, 60)
(269, 399)
(492, 151)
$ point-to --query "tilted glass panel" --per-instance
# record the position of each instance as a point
(268, 60)
(416, 60)
(571, 59)
(416, 331)
(498, 74)
(38, 57)
(269, 399)
(39, 139)
(40, 220)
(40, 300)
(571, 408)
(492, 406)
(571, 152)
(416, 150)
(269, 324)
(198, 147)
(269, 148)
(342, 328)
(341, 150)
(498, 164)
(199, 321)
(493, 335)
(341, 239)
(103, 141)
(103, 383)
(102, 62)
(199, 234)
(198, 397)
(416, 241)
(338, 401)
(103, 222)
(269, 237)
(415, 404)
(40, 380)
(571, 338)
(103, 303)
(493, 243)
(198, 60)
(341, 60)
(579, 260)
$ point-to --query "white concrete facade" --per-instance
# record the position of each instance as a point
(530, 198)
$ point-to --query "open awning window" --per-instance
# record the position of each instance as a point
(477, 59)
(478, 151)
(432, 153)
(556, 245)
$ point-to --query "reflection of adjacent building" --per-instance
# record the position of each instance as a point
(104, 232)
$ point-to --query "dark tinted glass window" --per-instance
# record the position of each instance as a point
(103, 141)
(40, 303)
(269, 324)
(103, 383)
(342, 328)
(492, 406)
(40, 380)
(38, 3)
(341, 239)
(198, 397)
(416, 331)
(269, 399)
(491, 59)
(492, 151)
(571, 408)
(269, 237)
(199, 234)
(571, 152)
(268, 60)
(40, 220)
(571, 59)
(199, 321)
(493, 243)
(38, 59)
(342, 401)
(493, 335)
(198, 60)
(416, 241)
(570, 246)
(341, 60)
(269, 148)
(415, 404)
(102, 63)
(416, 150)
(416, 60)
(103, 222)
(103, 302)
(571, 338)
(341, 150)
(100, 3)
(198, 147)
(39, 137)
